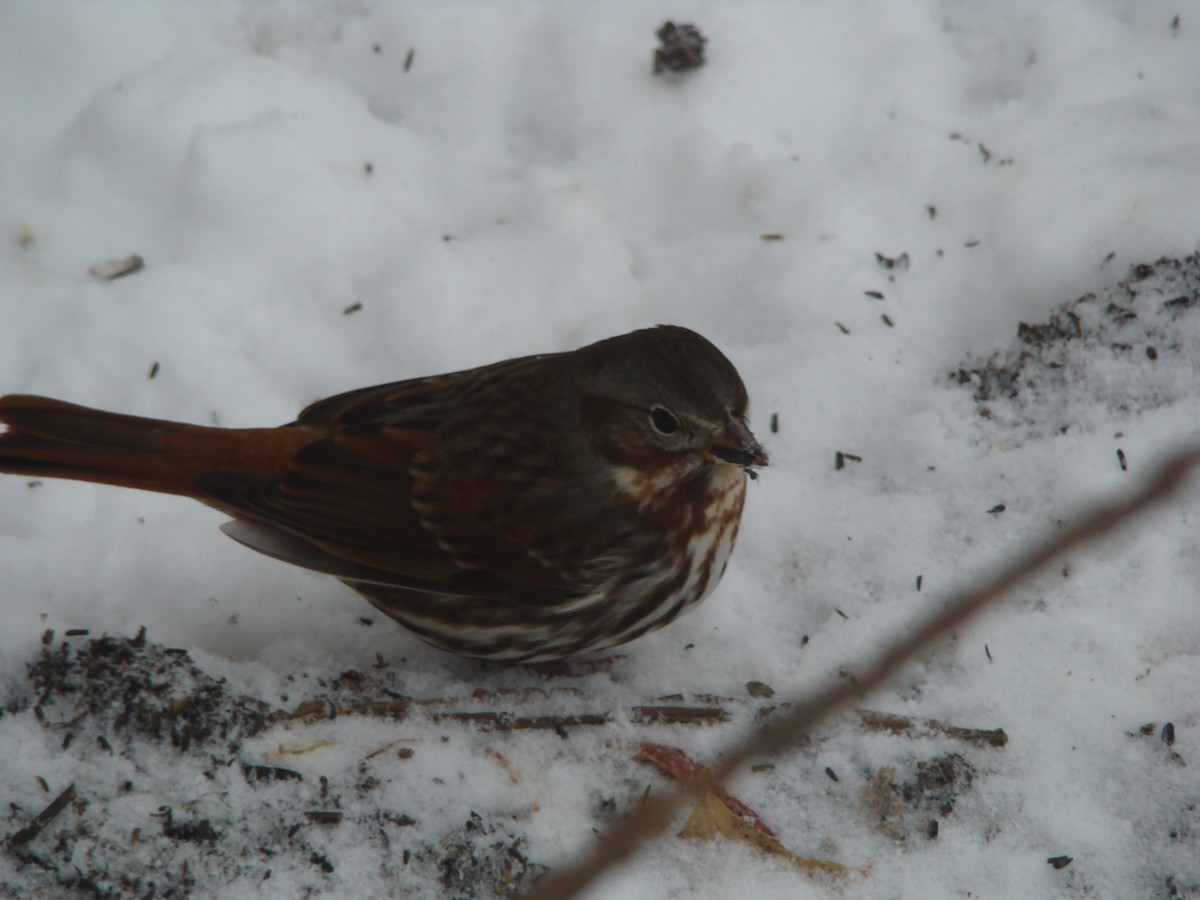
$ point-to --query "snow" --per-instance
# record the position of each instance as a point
(527, 185)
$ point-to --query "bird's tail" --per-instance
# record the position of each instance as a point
(47, 438)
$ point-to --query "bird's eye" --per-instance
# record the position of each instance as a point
(664, 421)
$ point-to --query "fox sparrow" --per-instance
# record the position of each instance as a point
(528, 510)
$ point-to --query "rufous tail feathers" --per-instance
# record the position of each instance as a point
(47, 438)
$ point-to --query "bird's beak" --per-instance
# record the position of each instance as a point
(735, 444)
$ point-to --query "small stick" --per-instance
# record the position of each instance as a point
(44, 818)
(679, 715)
(917, 727)
(501, 721)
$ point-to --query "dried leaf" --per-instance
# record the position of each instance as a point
(711, 818)
(674, 763)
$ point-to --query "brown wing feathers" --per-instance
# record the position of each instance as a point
(354, 487)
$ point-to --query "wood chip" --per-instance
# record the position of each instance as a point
(118, 268)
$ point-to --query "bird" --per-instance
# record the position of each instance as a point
(530, 510)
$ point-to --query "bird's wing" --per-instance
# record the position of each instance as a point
(446, 484)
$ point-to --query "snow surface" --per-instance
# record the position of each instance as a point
(526, 184)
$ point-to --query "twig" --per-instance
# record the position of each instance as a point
(679, 715)
(917, 727)
(623, 839)
(44, 818)
(320, 710)
(502, 721)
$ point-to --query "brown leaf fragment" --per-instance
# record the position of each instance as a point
(903, 805)
(676, 764)
(514, 776)
(671, 761)
(882, 807)
(711, 818)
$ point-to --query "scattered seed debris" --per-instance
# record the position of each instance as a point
(899, 263)
(682, 48)
(759, 689)
(899, 807)
(352, 309)
(141, 701)
(408, 58)
(1060, 862)
(840, 458)
(1121, 460)
(484, 858)
(1079, 354)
